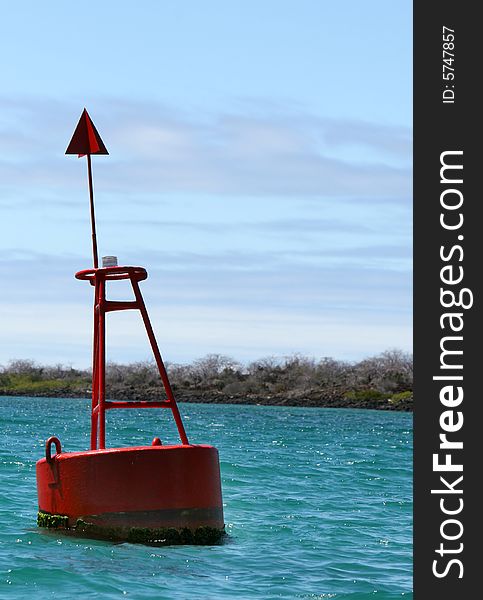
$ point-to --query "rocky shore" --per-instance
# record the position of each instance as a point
(309, 400)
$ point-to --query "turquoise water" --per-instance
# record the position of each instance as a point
(318, 504)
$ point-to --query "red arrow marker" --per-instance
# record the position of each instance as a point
(86, 139)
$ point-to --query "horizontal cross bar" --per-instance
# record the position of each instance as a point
(110, 305)
(134, 404)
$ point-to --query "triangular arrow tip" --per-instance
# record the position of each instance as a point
(86, 139)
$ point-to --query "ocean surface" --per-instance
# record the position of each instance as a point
(318, 504)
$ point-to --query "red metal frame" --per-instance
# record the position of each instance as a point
(98, 278)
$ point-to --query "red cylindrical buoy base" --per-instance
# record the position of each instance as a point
(151, 494)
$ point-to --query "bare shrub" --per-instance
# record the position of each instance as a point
(390, 371)
(295, 376)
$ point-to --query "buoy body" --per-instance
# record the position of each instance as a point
(137, 493)
(152, 494)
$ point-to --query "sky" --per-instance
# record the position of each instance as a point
(260, 168)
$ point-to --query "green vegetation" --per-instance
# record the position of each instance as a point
(383, 381)
(365, 395)
(401, 397)
(52, 521)
(24, 385)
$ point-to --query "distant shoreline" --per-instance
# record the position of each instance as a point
(382, 382)
(405, 405)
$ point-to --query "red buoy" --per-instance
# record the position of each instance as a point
(152, 494)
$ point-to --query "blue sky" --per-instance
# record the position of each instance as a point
(259, 168)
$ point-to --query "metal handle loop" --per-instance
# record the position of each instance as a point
(48, 448)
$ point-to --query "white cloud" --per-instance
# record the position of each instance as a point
(155, 149)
